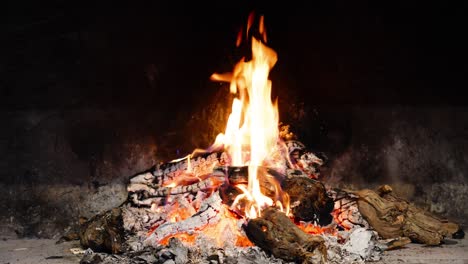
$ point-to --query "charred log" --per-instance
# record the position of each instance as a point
(309, 200)
(207, 214)
(104, 232)
(275, 233)
(268, 179)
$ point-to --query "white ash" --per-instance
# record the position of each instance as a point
(208, 253)
(360, 245)
(177, 252)
(140, 219)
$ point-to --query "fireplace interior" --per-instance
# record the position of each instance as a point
(103, 105)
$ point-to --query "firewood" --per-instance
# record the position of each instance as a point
(164, 191)
(201, 165)
(309, 200)
(394, 217)
(275, 233)
(144, 178)
(145, 202)
(208, 213)
(104, 232)
(140, 219)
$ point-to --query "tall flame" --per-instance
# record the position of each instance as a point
(252, 129)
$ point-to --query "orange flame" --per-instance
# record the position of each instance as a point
(252, 133)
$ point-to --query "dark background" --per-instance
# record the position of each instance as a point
(63, 54)
(92, 93)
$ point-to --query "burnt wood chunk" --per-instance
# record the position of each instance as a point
(275, 233)
(104, 232)
(309, 200)
(394, 217)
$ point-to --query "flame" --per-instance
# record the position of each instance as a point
(252, 132)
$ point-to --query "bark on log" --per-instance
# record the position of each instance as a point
(104, 232)
(394, 217)
(275, 233)
(309, 200)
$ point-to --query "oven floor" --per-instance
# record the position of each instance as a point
(46, 251)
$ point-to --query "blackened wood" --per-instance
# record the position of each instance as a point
(104, 232)
(275, 233)
(309, 199)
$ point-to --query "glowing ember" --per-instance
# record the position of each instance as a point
(252, 133)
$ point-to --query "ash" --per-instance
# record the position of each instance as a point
(359, 246)
(176, 252)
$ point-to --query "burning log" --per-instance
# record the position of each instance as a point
(275, 233)
(176, 178)
(207, 214)
(201, 165)
(308, 199)
(394, 217)
(268, 178)
(164, 191)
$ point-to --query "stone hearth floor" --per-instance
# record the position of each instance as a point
(46, 251)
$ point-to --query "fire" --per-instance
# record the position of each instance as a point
(251, 139)
(252, 132)
(316, 229)
(227, 230)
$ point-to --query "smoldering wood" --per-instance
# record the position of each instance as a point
(201, 165)
(309, 200)
(394, 217)
(303, 162)
(146, 202)
(144, 178)
(275, 233)
(104, 232)
(164, 191)
(240, 175)
(207, 214)
(137, 220)
(346, 210)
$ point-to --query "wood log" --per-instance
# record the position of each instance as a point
(137, 220)
(148, 202)
(164, 191)
(144, 178)
(394, 217)
(207, 214)
(275, 233)
(200, 165)
(309, 200)
(104, 232)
